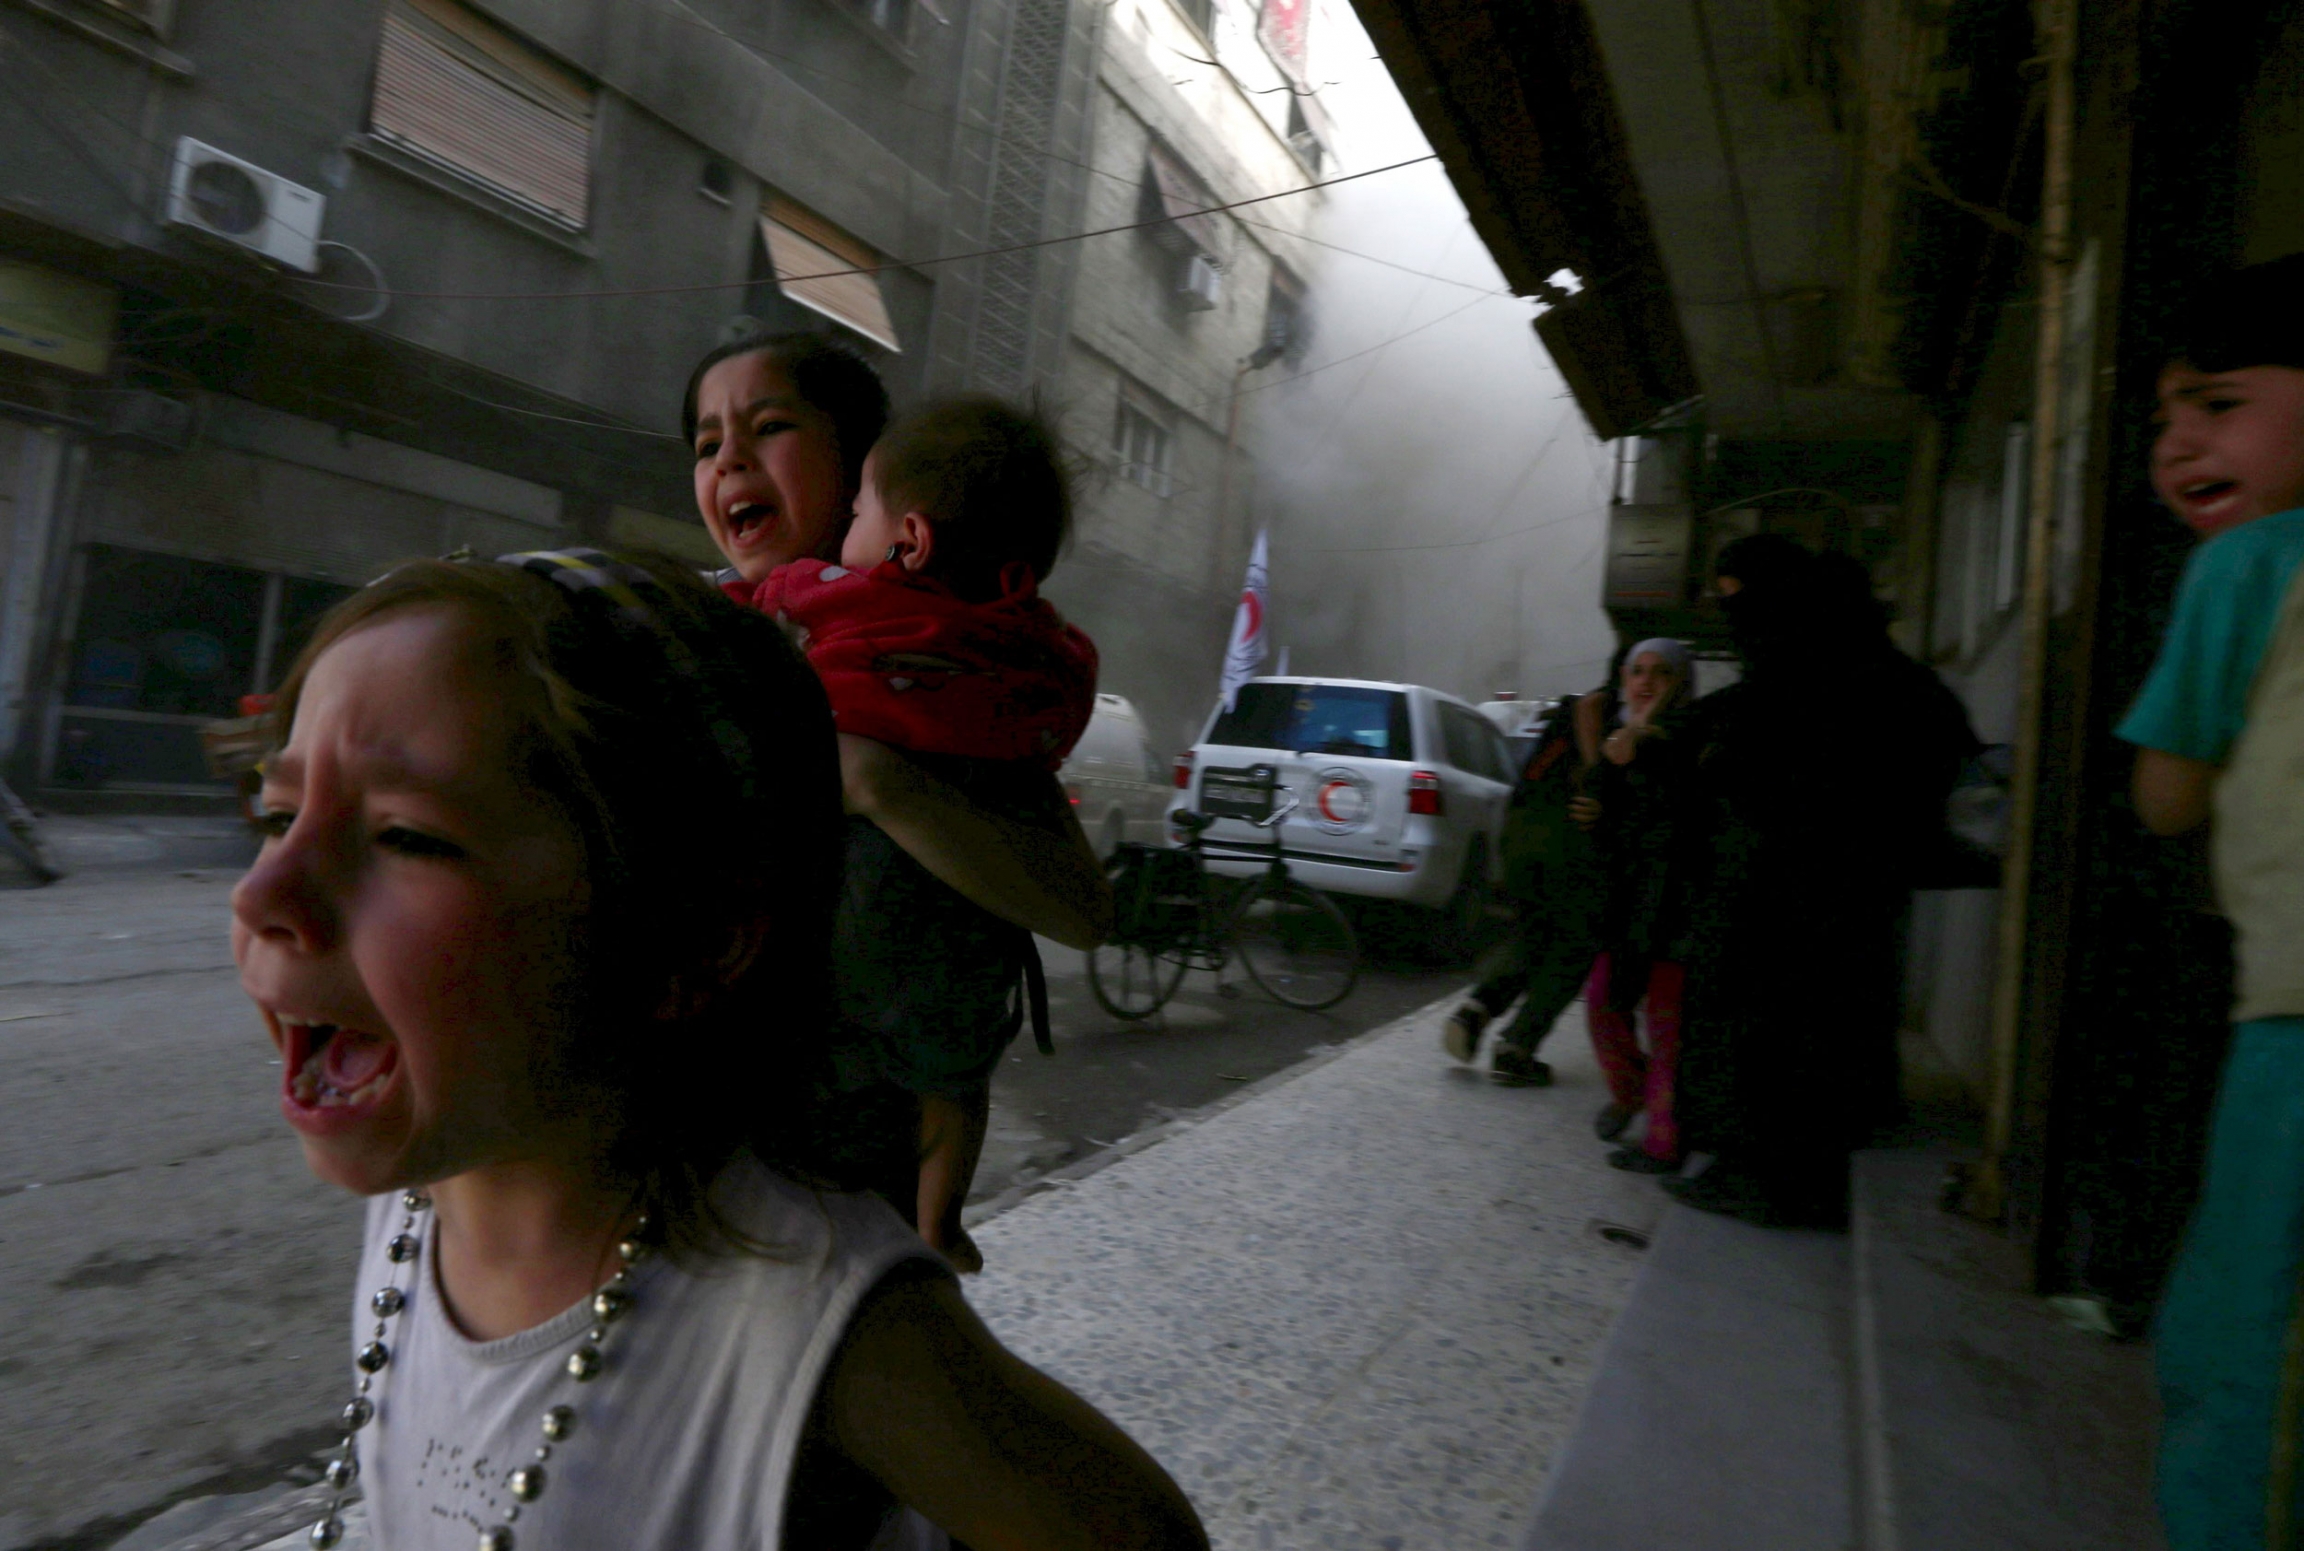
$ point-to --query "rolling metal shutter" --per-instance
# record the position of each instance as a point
(809, 253)
(459, 90)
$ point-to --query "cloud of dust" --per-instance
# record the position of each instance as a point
(1436, 502)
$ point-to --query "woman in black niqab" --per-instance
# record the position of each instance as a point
(1823, 780)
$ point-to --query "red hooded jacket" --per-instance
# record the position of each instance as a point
(906, 661)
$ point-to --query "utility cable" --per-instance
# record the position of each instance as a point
(877, 269)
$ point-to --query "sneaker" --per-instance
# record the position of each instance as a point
(1518, 1069)
(1612, 1120)
(1460, 1035)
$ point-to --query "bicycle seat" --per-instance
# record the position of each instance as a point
(1186, 819)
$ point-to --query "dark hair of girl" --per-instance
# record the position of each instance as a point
(830, 378)
(693, 753)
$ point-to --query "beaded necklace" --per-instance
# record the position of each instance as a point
(525, 1483)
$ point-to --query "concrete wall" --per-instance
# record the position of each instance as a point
(807, 99)
(1154, 578)
(481, 405)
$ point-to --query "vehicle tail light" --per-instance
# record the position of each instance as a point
(1072, 792)
(1184, 771)
(1424, 793)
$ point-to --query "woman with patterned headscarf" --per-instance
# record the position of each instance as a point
(1637, 812)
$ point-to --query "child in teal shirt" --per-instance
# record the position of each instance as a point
(2219, 729)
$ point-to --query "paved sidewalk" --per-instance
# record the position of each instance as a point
(1357, 1306)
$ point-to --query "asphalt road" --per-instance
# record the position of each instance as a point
(172, 1320)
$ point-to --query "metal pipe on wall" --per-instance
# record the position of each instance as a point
(1988, 1191)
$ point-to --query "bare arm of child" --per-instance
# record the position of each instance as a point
(951, 1141)
(1004, 1458)
(1045, 882)
(2172, 793)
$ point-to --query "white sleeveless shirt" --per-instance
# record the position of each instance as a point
(688, 1436)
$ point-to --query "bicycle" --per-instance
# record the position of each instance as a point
(1173, 914)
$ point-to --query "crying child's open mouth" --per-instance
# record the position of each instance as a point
(329, 1067)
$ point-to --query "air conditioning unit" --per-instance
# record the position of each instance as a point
(217, 193)
(1202, 283)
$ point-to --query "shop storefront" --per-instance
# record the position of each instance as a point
(197, 576)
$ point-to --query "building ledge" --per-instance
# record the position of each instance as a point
(108, 34)
(1720, 1417)
(1898, 1389)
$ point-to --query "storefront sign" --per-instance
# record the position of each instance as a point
(57, 318)
(1647, 557)
(1280, 27)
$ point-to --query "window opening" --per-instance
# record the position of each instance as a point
(161, 646)
(717, 182)
(1303, 139)
(1142, 443)
(1317, 719)
(456, 89)
(1287, 325)
(1178, 202)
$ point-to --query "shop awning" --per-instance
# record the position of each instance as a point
(1516, 98)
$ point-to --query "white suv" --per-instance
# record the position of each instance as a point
(1402, 789)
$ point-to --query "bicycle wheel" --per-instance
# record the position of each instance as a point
(1296, 943)
(1131, 981)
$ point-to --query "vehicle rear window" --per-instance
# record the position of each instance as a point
(1318, 719)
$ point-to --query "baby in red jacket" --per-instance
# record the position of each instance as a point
(931, 639)
(930, 633)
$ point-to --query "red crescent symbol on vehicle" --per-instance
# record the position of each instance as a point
(1321, 802)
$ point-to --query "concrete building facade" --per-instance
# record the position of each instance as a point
(288, 293)
(1174, 324)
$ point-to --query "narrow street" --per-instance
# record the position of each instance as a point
(175, 1310)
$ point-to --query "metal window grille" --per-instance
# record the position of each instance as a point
(458, 90)
(808, 252)
(1018, 201)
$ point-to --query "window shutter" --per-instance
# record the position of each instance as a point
(1175, 199)
(808, 253)
(458, 90)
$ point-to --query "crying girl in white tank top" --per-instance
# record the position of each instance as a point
(538, 929)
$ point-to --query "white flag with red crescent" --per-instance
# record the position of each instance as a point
(1246, 653)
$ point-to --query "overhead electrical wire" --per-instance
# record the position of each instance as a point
(687, 18)
(876, 269)
(136, 134)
